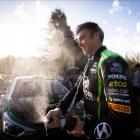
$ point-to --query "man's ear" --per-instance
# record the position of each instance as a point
(97, 36)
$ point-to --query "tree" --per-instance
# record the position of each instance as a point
(60, 40)
(133, 60)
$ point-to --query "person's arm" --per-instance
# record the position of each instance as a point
(117, 92)
(76, 94)
(52, 119)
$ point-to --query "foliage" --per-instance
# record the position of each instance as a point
(64, 54)
(133, 61)
(6, 64)
(62, 38)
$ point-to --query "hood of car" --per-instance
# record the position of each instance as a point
(29, 99)
(9, 114)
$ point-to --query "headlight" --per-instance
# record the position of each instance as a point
(15, 129)
(12, 130)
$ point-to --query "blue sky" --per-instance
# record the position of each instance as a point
(22, 21)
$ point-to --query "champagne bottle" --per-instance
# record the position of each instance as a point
(68, 122)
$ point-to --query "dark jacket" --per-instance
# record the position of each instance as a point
(116, 102)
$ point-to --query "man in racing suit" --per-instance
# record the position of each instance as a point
(105, 88)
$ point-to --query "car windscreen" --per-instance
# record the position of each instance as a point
(25, 88)
(58, 88)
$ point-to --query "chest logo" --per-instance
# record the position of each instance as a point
(85, 82)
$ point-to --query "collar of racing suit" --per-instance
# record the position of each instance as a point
(97, 53)
(96, 56)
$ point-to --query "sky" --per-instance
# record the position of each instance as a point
(22, 23)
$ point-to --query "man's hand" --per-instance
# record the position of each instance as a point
(78, 131)
(52, 119)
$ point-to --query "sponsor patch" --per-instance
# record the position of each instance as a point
(88, 95)
(116, 68)
(120, 108)
(93, 69)
(116, 83)
(117, 76)
(123, 91)
(118, 92)
(85, 82)
(102, 131)
(120, 100)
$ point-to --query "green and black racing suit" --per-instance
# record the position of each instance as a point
(108, 102)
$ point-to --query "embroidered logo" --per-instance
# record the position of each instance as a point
(102, 131)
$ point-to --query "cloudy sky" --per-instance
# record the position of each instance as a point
(22, 23)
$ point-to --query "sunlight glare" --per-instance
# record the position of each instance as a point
(20, 40)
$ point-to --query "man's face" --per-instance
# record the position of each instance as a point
(87, 41)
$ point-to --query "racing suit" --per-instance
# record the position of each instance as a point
(113, 114)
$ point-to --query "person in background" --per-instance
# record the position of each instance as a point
(105, 88)
(136, 79)
(136, 89)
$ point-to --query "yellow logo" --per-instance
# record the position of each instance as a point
(120, 108)
(117, 84)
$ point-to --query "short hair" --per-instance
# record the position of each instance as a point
(91, 26)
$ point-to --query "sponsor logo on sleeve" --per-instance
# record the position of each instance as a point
(120, 108)
(118, 92)
(116, 83)
(114, 99)
(117, 77)
(116, 68)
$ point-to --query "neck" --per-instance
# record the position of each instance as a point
(96, 48)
